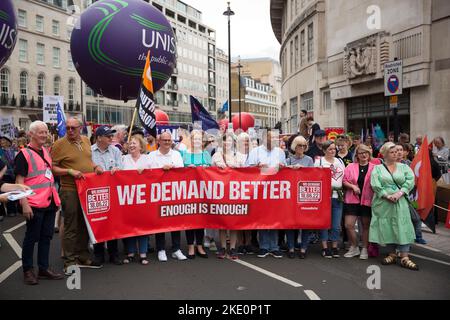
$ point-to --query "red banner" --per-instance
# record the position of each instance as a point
(130, 204)
(447, 222)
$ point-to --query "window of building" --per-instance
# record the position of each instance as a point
(71, 91)
(326, 101)
(23, 87)
(22, 17)
(294, 114)
(56, 57)
(4, 83)
(170, 13)
(55, 28)
(302, 48)
(89, 91)
(39, 23)
(307, 102)
(23, 50)
(57, 86)
(41, 87)
(296, 53)
(71, 67)
(291, 56)
(40, 54)
(310, 42)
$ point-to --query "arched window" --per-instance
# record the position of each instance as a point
(57, 86)
(4, 83)
(23, 86)
(41, 87)
(71, 91)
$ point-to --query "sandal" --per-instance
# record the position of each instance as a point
(408, 264)
(128, 259)
(143, 260)
(389, 259)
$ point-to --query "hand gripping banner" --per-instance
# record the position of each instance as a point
(131, 204)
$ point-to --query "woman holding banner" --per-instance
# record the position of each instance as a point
(136, 159)
(196, 156)
(226, 157)
(337, 173)
(391, 223)
(298, 160)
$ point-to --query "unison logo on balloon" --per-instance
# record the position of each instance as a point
(110, 44)
(8, 30)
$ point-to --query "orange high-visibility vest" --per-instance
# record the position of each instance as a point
(43, 186)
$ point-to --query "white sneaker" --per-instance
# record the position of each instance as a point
(212, 246)
(178, 255)
(352, 252)
(364, 254)
(162, 256)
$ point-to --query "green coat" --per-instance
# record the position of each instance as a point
(391, 222)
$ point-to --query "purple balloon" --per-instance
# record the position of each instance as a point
(8, 30)
(110, 42)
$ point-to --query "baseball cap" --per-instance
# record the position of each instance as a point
(320, 133)
(104, 131)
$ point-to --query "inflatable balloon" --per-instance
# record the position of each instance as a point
(110, 42)
(8, 30)
(247, 121)
(161, 117)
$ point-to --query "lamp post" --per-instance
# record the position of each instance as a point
(239, 66)
(229, 13)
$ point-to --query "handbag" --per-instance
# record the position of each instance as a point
(415, 217)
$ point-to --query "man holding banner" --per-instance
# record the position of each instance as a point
(72, 158)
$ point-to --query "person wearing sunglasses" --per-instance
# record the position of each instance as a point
(72, 158)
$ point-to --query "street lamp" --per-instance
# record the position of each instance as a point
(239, 66)
(229, 13)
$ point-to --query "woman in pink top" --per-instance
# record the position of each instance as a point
(358, 199)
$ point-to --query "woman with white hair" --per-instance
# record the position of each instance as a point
(391, 223)
(298, 160)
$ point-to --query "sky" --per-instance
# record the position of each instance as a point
(251, 30)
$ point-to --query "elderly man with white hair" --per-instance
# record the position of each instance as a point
(33, 168)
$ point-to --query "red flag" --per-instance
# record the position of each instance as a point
(447, 222)
(421, 167)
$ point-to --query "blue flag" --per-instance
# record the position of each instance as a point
(61, 118)
(225, 107)
(199, 113)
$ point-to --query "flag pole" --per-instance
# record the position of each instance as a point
(132, 125)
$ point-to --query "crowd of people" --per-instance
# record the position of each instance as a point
(370, 190)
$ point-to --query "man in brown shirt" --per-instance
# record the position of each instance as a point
(303, 125)
(71, 159)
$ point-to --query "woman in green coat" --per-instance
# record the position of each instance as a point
(391, 223)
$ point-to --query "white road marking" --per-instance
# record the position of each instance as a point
(312, 295)
(15, 227)
(14, 245)
(431, 259)
(4, 275)
(309, 293)
(427, 247)
(270, 274)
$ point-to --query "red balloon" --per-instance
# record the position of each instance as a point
(161, 117)
(247, 121)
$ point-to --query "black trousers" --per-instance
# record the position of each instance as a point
(99, 249)
(160, 239)
(198, 234)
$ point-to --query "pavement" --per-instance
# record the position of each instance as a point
(249, 278)
(439, 241)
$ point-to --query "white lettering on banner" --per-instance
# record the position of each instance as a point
(127, 194)
(204, 190)
(203, 208)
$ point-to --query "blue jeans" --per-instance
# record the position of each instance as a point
(418, 229)
(142, 242)
(291, 239)
(305, 239)
(39, 229)
(268, 240)
(336, 216)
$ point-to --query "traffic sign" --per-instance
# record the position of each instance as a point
(393, 102)
(393, 78)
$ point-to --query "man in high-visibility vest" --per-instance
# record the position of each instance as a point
(33, 167)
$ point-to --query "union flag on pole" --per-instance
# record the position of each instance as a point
(421, 167)
(145, 104)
